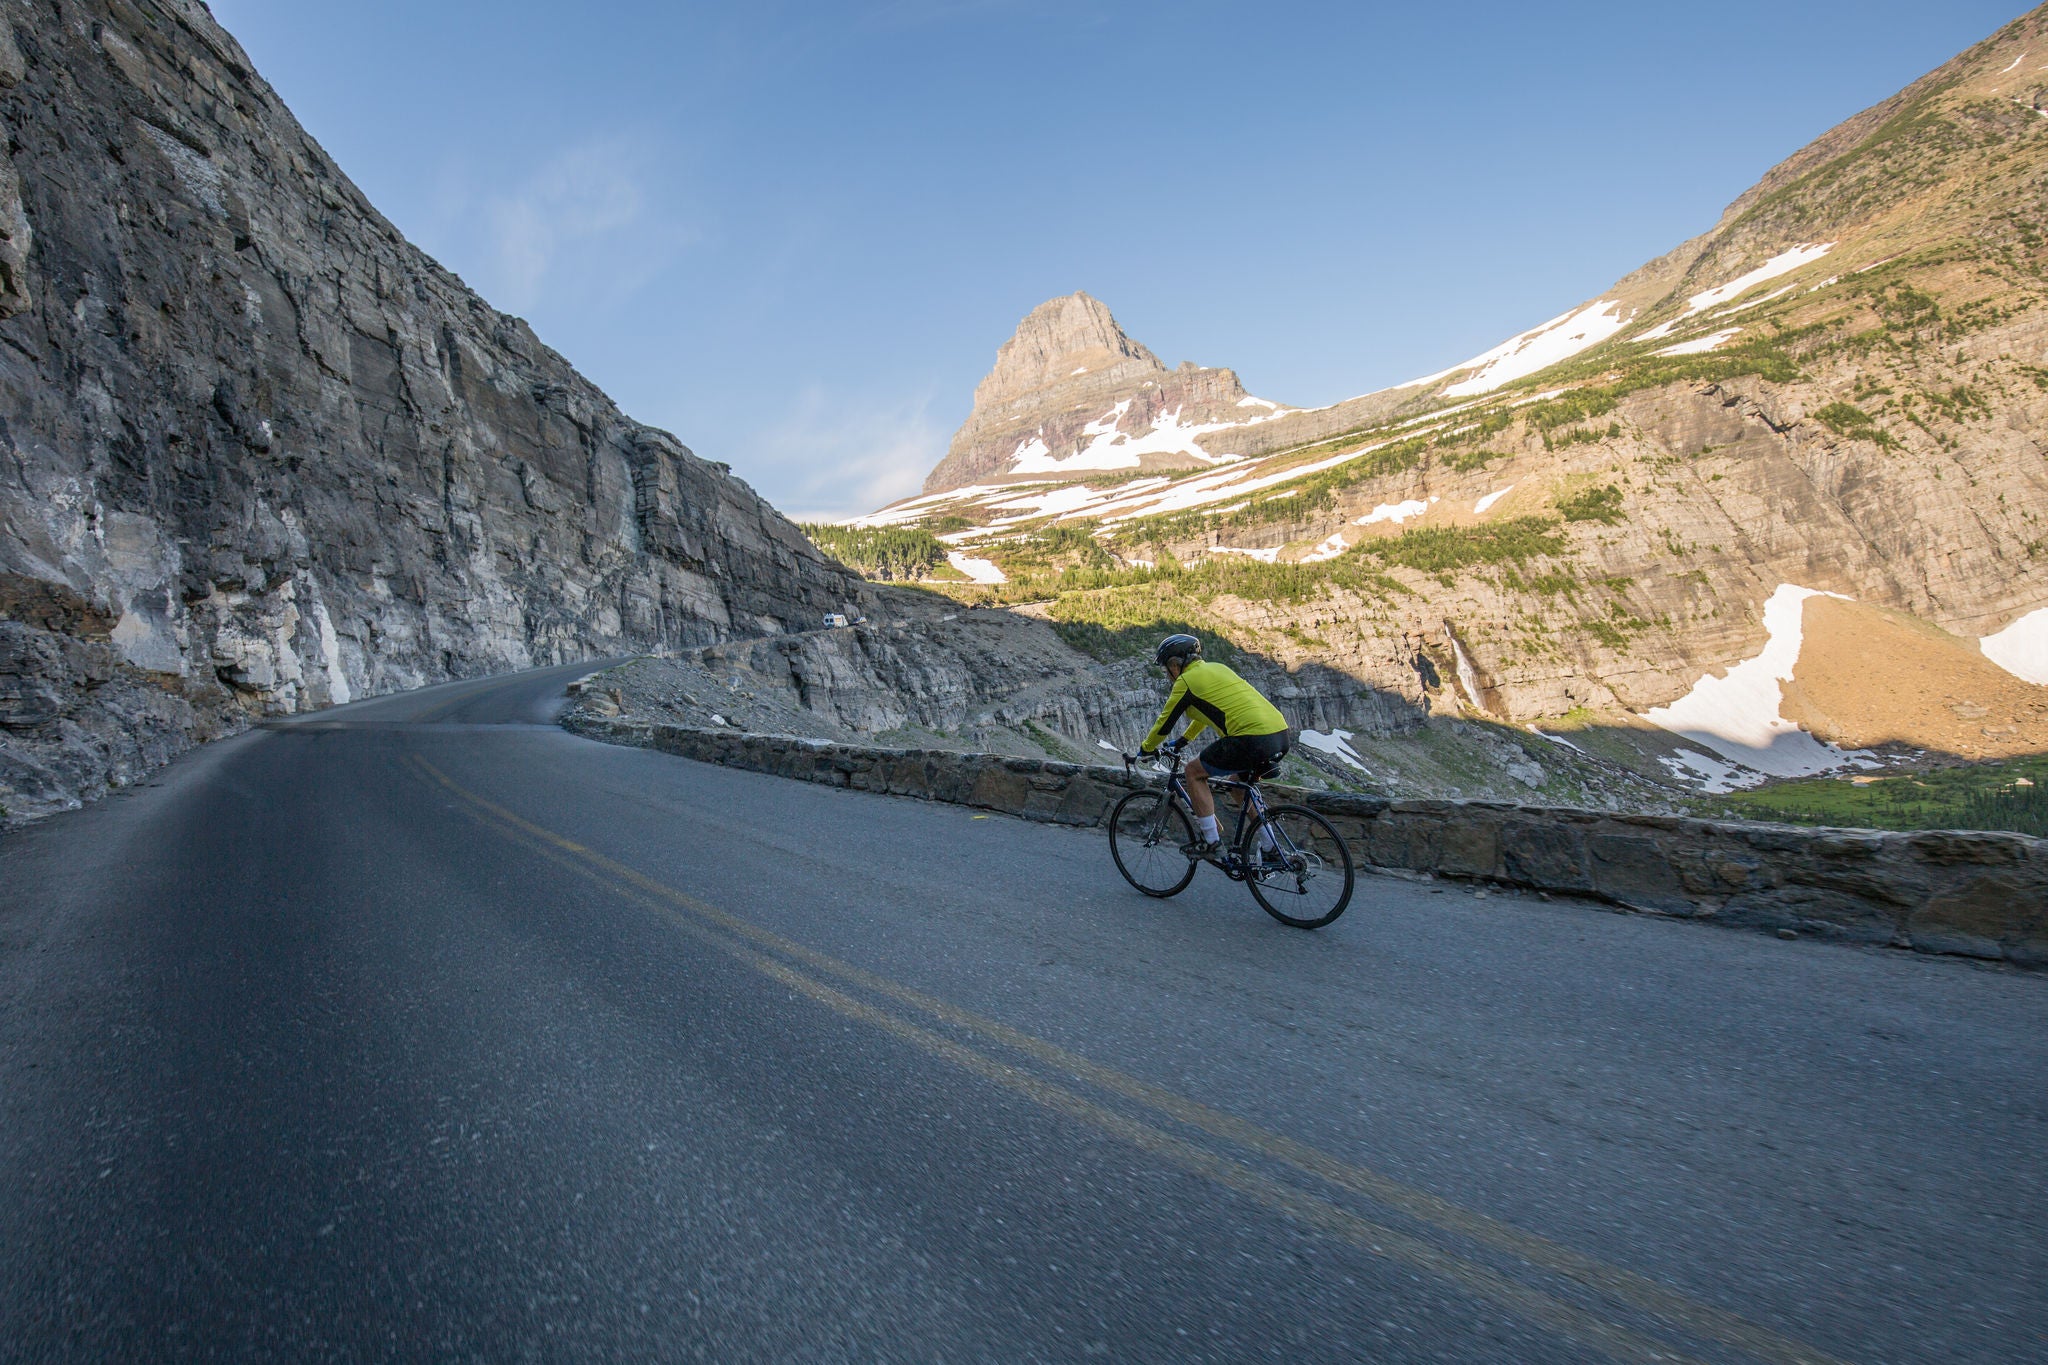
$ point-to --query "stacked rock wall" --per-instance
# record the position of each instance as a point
(1982, 895)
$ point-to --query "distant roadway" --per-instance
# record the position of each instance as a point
(423, 1030)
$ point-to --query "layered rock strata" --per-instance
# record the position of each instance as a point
(258, 453)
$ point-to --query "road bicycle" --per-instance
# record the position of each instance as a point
(1296, 865)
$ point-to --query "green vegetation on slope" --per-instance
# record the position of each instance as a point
(1602, 504)
(885, 552)
(1447, 549)
(1115, 612)
(2012, 795)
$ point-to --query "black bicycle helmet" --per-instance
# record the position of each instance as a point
(1182, 647)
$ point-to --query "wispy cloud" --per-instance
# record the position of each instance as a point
(593, 221)
(835, 455)
(580, 196)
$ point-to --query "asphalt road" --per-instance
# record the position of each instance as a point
(421, 1029)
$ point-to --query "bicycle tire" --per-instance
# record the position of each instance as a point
(1147, 842)
(1317, 858)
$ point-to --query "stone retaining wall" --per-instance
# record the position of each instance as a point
(1982, 895)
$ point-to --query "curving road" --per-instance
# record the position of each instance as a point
(420, 1029)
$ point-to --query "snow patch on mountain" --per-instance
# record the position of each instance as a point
(1784, 263)
(980, 570)
(2021, 649)
(1701, 345)
(1561, 338)
(1330, 548)
(1737, 716)
(1113, 448)
(1712, 775)
(1396, 512)
(915, 508)
(1337, 744)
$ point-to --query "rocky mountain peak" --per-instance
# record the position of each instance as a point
(1071, 394)
(1061, 339)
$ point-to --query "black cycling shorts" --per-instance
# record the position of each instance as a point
(1246, 753)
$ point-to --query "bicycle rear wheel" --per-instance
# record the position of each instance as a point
(1146, 834)
(1305, 877)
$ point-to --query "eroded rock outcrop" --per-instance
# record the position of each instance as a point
(258, 453)
(972, 678)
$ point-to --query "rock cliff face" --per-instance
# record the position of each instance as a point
(980, 671)
(258, 453)
(929, 675)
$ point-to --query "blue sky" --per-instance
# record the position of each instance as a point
(795, 234)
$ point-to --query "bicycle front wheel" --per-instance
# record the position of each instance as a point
(1300, 868)
(1146, 836)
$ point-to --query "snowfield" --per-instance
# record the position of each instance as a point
(1784, 263)
(1329, 549)
(1396, 512)
(1113, 448)
(1561, 338)
(898, 513)
(980, 570)
(1481, 507)
(1337, 744)
(1689, 765)
(1737, 716)
(1701, 345)
(1231, 483)
(2021, 649)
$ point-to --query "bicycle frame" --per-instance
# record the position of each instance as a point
(1251, 804)
(1278, 851)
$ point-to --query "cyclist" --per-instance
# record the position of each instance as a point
(1253, 733)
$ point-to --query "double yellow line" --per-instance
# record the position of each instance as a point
(805, 970)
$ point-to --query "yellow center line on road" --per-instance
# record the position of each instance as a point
(1624, 1286)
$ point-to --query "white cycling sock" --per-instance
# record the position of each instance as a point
(1266, 839)
(1205, 825)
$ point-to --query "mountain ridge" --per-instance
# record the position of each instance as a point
(1838, 387)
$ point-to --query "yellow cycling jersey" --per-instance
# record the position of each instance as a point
(1221, 701)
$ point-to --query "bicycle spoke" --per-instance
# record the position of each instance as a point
(1146, 834)
(1305, 877)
